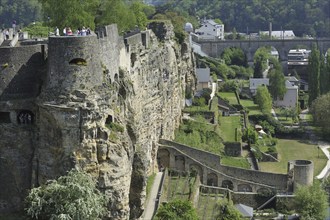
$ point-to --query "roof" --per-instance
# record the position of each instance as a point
(245, 210)
(212, 22)
(255, 82)
(291, 79)
(203, 74)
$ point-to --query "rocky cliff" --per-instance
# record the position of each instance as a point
(104, 105)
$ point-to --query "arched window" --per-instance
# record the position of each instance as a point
(25, 117)
(78, 61)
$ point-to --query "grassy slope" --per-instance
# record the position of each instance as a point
(228, 125)
(293, 150)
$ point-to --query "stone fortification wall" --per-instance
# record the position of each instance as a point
(16, 150)
(238, 175)
(207, 158)
(152, 82)
(103, 107)
(21, 71)
(73, 64)
(280, 181)
(110, 44)
(96, 82)
(302, 172)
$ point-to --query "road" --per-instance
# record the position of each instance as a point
(152, 201)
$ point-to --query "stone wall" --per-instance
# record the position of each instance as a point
(22, 70)
(210, 165)
(91, 84)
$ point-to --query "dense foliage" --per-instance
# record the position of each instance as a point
(276, 77)
(260, 60)
(177, 209)
(227, 211)
(313, 75)
(311, 202)
(308, 17)
(73, 196)
(23, 12)
(76, 13)
(321, 114)
(263, 99)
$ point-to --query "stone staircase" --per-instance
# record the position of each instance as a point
(5, 43)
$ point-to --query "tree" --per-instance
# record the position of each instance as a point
(227, 211)
(313, 75)
(115, 11)
(276, 87)
(138, 10)
(177, 209)
(73, 13)
(234, 56)
(250, 135)
(325, 74)
(261, 61)
(320, 111)
(73, 196)
(311, 202)
(263, 99)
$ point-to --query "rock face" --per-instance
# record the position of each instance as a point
(104, 104)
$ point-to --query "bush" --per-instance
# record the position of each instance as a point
(115, 127)
(73, 196)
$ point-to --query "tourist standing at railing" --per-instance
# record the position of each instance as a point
(7, 34)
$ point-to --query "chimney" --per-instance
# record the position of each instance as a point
(270, 30)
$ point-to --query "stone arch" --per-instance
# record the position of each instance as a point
(25, 117)
(265, 191)
(227, 184)
(163, 158)
(244, 188)
(78, 61)
(180, 163)
(198, 169)
(212, 179)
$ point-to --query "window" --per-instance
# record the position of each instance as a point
(5, 117)
(78, 61)
(25, 117)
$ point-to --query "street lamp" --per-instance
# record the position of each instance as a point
(48, 18)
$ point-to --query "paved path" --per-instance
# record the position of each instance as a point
(274, 114)
(150, 209)
(324, 147)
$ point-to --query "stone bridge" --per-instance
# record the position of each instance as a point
(215, 48)
(183, 158)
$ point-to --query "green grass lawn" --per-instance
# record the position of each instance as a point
(230, 96)
(241, 162)
(295, 150)
(251, 106)
(228, 124)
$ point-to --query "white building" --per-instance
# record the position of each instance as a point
(290, 98)
(204, 80)
(211, 30)
(284, 34)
